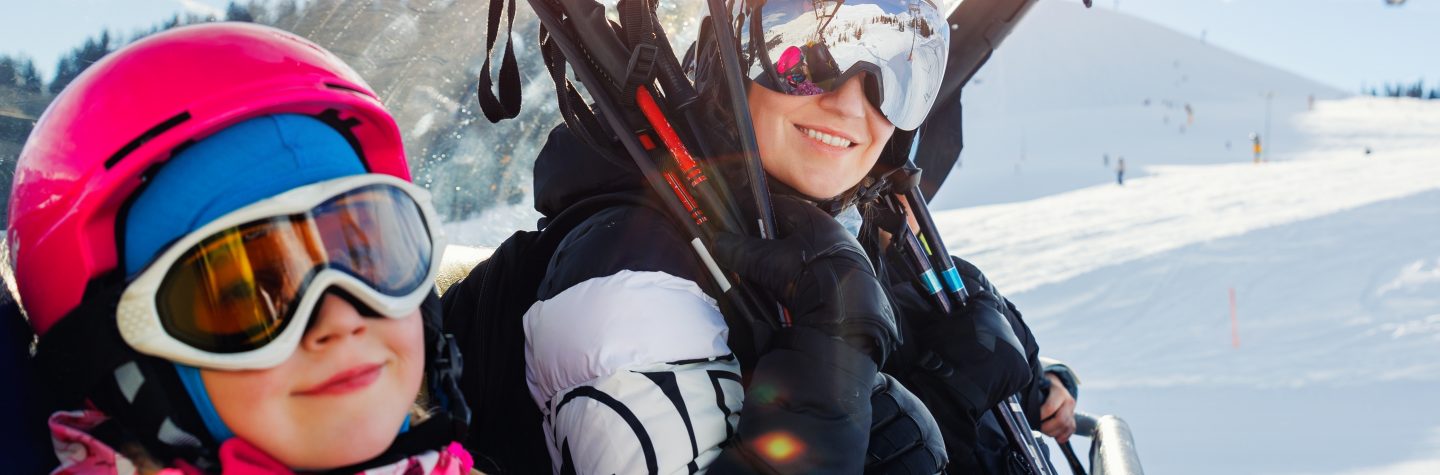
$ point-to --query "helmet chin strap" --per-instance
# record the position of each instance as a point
(443, 366)
(833, 205)
(200, 398)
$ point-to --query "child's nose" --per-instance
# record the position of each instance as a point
(334, 321)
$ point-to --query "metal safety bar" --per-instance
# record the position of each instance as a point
(1112, 446)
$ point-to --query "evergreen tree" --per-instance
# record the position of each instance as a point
(19, 73)
(80, 58)
(236, 12)
(8, 72)
(283, 14)
(29, 76)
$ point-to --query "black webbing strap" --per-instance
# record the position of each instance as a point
(573, 108)
(507, 104)
(638, 20)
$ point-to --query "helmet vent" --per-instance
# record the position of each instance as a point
(146, 137)
(332, 85)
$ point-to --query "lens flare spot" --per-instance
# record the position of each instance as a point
(764, 393)
(779, 446)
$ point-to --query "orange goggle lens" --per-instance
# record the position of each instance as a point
(239, 289)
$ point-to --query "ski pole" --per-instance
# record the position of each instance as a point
(735, 87)
(940, 255)
(1009, 412)
(1012, 420)
(1069, 451)
(678, 204)
(912, 252)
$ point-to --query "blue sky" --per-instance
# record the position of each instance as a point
(1344, 43)
(46, 29)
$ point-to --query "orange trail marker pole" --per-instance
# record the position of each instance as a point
(1234, 322)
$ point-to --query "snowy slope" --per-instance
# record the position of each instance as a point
(1335, 264)
(1072, 85)
(1055, 238)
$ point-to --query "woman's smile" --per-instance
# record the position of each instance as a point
(828, 136)
(820, 145)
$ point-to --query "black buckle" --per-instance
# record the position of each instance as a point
(639, 71)
(449, 365)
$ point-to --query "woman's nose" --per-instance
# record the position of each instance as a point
(849, 100)
(334, 321)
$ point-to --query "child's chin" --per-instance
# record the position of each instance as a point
(344, 451)
(319, 448)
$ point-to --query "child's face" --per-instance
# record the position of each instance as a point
(339, 400)
(792, 154)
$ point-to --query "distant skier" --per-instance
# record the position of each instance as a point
(1255, 143)
(1120, 172)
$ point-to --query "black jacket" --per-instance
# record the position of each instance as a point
(621, 235)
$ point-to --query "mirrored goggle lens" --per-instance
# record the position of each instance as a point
(238, 290)
(807, 47)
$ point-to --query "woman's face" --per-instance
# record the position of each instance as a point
(820, 145)
(339, 400)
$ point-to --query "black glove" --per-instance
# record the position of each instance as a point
(904, 438)
(811, 387)
(820, 273)
(974, 350)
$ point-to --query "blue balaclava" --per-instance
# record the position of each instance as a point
(229, 170)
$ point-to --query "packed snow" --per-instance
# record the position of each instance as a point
(1332, 356)
(1331, 247)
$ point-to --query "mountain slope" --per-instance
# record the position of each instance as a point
(1071, 86)
(1334, 261)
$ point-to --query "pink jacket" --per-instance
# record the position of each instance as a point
(82, 454)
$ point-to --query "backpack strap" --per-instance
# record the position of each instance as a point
(485, 313)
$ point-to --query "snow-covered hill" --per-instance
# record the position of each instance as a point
(1071, 86)
(1333, 354)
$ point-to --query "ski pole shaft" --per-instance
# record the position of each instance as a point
(1009, 412)
(939, 254)
(912, 251)
(625, 131)
(920, 208)
(739, 103)
(1075, 466)
(915, 252)
(1012, 420)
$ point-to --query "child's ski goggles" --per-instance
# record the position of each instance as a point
(805, 47)
(239, 292)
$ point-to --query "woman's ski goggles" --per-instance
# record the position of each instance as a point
(806, 47)
(240, 292)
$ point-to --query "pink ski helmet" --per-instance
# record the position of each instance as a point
(132, 110)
